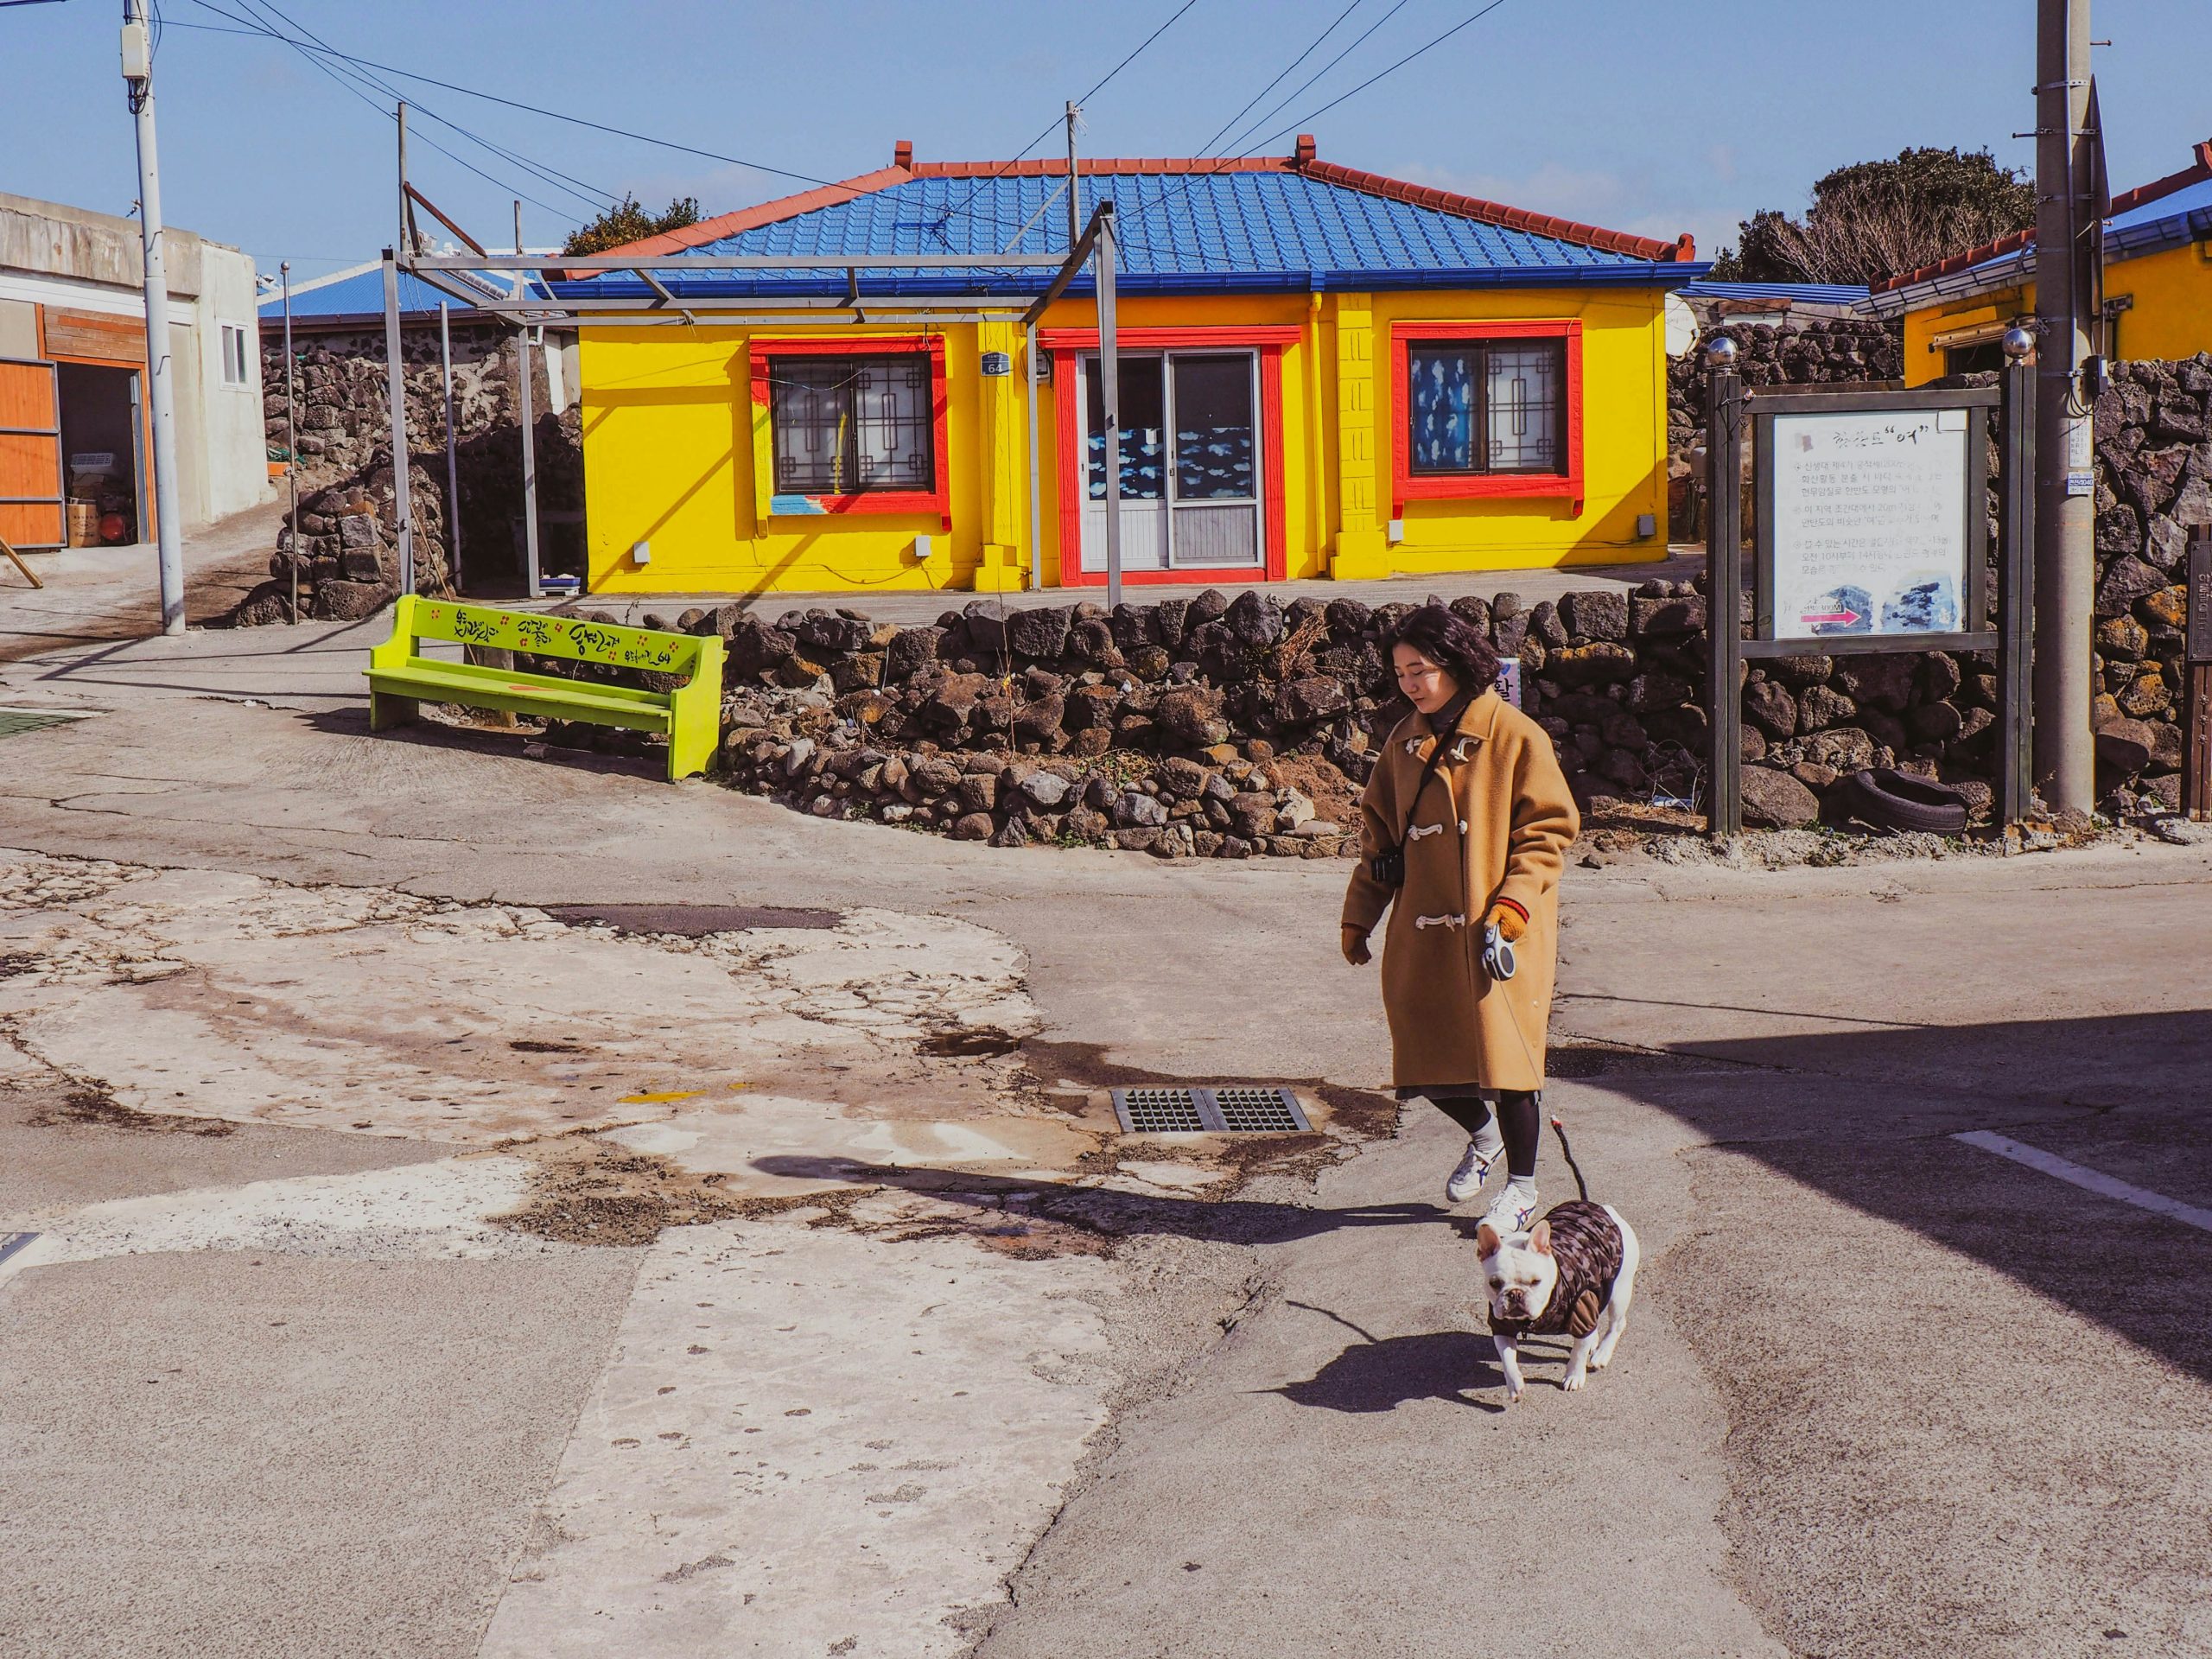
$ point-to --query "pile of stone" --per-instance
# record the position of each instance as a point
(344, 550)
(2153, 486)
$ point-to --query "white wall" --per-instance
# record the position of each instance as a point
(234, 450)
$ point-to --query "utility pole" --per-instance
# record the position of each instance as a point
(291, 440)
(2065, 757)
(1074, 207)
(169, 500)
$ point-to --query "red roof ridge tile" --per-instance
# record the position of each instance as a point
(1683, 248)
(765, 212)
(1054, 167)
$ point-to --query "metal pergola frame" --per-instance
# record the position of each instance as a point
(465, 278)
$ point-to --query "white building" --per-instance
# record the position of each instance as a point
(74, 404)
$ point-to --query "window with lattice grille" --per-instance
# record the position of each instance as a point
(852, 425)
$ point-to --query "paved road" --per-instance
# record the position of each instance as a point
(1887, 1394)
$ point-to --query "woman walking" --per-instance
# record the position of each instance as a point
(1465, 824)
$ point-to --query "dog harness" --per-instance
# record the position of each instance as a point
(1587, 1245)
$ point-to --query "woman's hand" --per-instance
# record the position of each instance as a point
(1510, 919)
(1354, 942)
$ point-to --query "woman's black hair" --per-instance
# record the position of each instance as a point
(1450, 641)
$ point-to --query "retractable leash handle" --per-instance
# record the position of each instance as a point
(1498, 960)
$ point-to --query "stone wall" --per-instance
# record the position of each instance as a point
(345, 544)
(1209, 726)
(1820, 351)
(2154, 486)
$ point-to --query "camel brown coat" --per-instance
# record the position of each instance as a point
(1494, 822)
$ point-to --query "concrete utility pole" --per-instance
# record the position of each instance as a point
(169, 500)
(1074, 207)
(2066, 571)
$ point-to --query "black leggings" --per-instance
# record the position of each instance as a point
(1519, 1121)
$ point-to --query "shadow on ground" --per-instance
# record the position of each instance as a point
(1867, 1116)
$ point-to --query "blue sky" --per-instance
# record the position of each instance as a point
(1654, 117)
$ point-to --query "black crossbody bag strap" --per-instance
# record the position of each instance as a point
(1427, 771)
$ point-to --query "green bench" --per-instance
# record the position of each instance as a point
(400, 678)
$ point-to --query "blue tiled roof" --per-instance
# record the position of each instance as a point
(1178, 233)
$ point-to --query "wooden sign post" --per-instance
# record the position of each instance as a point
(2196, 778)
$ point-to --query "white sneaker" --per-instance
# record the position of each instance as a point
(1475, 1164)
(1514, 1209)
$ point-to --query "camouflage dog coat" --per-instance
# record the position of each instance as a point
(1587, 1245)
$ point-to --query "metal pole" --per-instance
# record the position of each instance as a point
(518, 226)
(2016, 508)
(168, 499)
(1036, 505)
(291, 436)
(1109, 397)
(395, 393)
(1074, 207)
(529, 467)
(406, 234)
(2065, 507)
(1724, 572)
(453, 471)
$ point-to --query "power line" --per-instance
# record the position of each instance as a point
(551, 115)
(1300, 89)
(1096, 86)
(1190, 179)
(1312, 47)
(354, 79)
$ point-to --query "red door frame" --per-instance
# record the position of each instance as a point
(1270, 340)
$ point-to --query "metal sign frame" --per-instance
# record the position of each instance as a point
(1728, 405)
(2196, 694)
(1973, 602)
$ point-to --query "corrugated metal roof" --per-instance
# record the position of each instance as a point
(1179, 231)
(2190, 198)
(1807, 293)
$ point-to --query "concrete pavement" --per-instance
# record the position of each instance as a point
(1887, 1394)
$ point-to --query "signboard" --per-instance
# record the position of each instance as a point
(1870, 523)
(2200, 599)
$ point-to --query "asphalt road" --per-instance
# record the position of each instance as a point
(1887, 1394)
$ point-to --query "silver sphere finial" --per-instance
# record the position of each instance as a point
(1721, 353)
(2018, 342)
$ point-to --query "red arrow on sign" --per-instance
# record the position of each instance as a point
(1846, 618)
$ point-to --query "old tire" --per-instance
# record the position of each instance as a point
(1897, 800)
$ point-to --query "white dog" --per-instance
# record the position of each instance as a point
(1574, 1274)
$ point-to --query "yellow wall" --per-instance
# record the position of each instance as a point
(2171, 316)
(673, 446)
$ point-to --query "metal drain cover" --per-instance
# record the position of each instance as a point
(1225, 1108)
(13, 722)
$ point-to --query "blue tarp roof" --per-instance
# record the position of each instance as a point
(1178, 232)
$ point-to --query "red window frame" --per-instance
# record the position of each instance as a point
(760, 356)
(1407, 485)
(1270, 342)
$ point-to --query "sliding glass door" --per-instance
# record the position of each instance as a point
(1191, 486)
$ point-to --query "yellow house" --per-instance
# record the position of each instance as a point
(1322, 373)
(2158, 284)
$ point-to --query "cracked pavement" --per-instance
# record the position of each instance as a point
(419, 1272)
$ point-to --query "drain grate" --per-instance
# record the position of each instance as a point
(13, 722)
(1232, 1108)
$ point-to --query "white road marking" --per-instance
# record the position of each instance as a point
(2093, 1180)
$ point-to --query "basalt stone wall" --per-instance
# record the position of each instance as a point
(1817, 352)
(2153, 486)
(345, 546)
(1209, 726)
